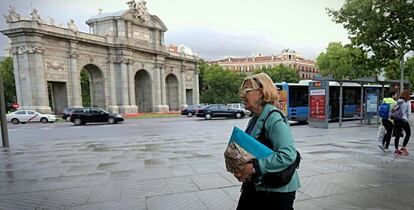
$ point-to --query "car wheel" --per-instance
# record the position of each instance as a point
(208, 117)
(238, 115)
(77, 121)
(111, 120)
(44, 120)
(189, 114)
(15, 121)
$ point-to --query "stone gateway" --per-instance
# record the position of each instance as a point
(130, 69)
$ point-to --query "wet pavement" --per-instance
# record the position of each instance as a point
(177, 163)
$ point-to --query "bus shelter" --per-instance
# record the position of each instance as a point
(371, 97)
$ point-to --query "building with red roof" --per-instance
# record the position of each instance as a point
(307, 69)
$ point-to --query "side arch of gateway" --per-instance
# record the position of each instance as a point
(129, 67)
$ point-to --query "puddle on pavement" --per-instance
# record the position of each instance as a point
(71, 162)
(150, 135)
(153, 146)
(324, 152)
(104, 166)
(201, 157)
(94, 145)
(101, 149)
(150, 163)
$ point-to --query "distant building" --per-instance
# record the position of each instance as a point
(307, 68)
(182, 50)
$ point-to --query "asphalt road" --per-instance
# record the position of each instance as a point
(178, 163)
(131, 127)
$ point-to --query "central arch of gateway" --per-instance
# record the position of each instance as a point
(129, 67)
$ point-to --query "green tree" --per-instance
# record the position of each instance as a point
(392, 71)
(220, 85)
(281, 73)
(343, 62)
(6, 70)
(202, 67)
(85, 88)
(384, 28)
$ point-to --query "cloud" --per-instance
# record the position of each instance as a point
(210, 41)
(213, 44)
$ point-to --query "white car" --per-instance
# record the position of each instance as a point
(24, 116)
(239, 106)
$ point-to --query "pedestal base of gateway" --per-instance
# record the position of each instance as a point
(183, 106)
(161, 108)
(128, 109)
(113, 109)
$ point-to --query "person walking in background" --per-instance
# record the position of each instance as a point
(385, 113)
(401, 114)
(269, 126)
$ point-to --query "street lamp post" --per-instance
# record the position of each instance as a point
(401, 74)
(3, 121)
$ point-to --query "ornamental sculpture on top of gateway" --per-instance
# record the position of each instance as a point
(140, 8)
(13, 16)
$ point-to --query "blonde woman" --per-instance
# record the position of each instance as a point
(262, 189)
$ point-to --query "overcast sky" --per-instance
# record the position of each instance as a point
(213, 28)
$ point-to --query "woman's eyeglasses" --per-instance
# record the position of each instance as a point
(246, 90)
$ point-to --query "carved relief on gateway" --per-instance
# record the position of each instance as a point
(55, 65)
(189, 79)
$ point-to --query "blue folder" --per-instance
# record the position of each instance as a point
(249, 143)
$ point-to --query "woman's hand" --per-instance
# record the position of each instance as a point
(245, 174)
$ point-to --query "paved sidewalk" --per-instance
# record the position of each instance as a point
(155, 168)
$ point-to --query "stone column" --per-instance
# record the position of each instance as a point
(124, 108)
(16, 73)
(131, 84)
(41, 99)
(74, 75)
(163, 87)
(159, 89)
(25, 79)
(113, 104)
(156, 87)
(196, 94)
(182, 98)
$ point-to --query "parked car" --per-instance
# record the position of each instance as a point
(191, 110)
(24, 116)
(412, 103)
(239, 106)
(66, 113)
(92, 114)
(219, 110)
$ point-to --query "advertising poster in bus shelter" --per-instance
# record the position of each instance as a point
(372, 101)
(318, 104)
(283, 102)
